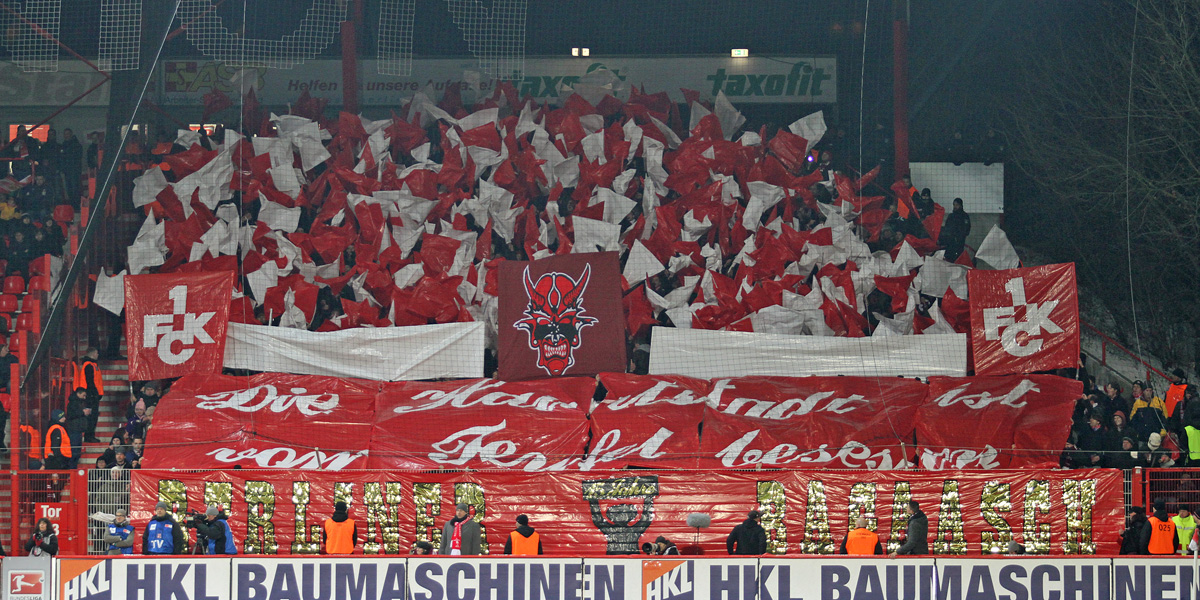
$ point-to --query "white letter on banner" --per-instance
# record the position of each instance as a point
(497, 38)
(206, 30)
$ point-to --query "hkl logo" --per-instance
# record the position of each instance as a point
(1000, 322)
(159, 330)
(668, 580)
(554, 318)
(25, 582)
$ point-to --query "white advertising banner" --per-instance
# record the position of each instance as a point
(781, 80)
(980, 186)
(452, 350)
(647, 578)
(708, 354)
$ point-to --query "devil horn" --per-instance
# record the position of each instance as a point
(572, 296)
(537, 300)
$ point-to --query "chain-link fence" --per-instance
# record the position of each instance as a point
(108, 491)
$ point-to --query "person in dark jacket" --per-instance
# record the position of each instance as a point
(748, 538)
(162, 534)
(215, 528)
(525, 536)
(1092, 442)
(1124, 456)
(78, 415)
(461, 535)
(665, 547)
(43, 542)
(58, 443)
(916, 539)
(119, 535)
(955, 231)
(1136, 537)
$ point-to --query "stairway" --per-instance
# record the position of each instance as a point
(112, 408)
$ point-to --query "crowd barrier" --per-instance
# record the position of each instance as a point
(616, 578)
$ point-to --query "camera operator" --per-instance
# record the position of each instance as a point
(214, 528)
(43, 542)
(162, 534)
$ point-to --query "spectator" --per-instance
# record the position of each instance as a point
(460, 535)
(1159, 456)
(1175, 392)
(101, 464)
(339, 531)
(9, 213)
(992, 148)
(1118, 428)
(1124, 455)
(916, 540)
(43, 542)
(1148, 413)
(119, 536)
(860, 540)
(523, 541)
(748, 538)
(78, 415)
(58, 443)
(135, 452)
(148, 394)
(162, 534)
(136, 427)
(70, 162)
(1136, 537)
(955, 230)
(1116, 402)
(1092, 442)
(421, 549)
(122, 461)
(20, 253)
(37, 198)
(110, 453)
(89, 378)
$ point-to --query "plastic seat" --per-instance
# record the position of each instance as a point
(25, 322)
(14, 343)
(14, 284)
(39, 266)
(39, 283)
(8, 303)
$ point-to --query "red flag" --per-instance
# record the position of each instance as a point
(176, 323)
(561, 316)
(1024, 320)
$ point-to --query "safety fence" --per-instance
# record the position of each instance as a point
(621, 578)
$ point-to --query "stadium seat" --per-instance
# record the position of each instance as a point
(8, 303)
(14, 343)
(39, 283)
(39, 266)
(14, 284)
(64, 213)
(25, 322)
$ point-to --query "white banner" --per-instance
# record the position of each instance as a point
(708, 354)
(453, 350)
(646, 578)
(980, 186)
(783, 79)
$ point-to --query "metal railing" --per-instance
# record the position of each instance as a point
(107, 491)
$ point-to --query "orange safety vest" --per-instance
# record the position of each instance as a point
(861, 541)
(81, 376)
(65, 441)
(340, 538)
(1174, 396)
(35, 441)
(1162, 536)
(524, 546)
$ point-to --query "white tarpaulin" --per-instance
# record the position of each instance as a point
(707, 354)
(453, 350)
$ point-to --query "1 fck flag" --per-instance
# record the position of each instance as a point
(1024, 320)
(175, 324)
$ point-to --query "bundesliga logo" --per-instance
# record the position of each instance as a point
(554, 318)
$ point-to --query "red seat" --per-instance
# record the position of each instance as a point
(14, 284)
(39, 283)
(8, 303)
(64, 213)
(25, 322)
(39, 265)
(14, 343)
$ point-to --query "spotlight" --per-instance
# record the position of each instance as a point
(739, 52)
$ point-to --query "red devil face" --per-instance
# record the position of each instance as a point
(554, 318)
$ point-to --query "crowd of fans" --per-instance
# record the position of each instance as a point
(1147, 428)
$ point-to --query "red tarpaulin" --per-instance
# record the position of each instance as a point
(805, 512)
(1024, 320)
(175, 324)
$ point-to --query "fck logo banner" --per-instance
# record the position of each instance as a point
(1024, 320)
(561, 316)
(175, 323)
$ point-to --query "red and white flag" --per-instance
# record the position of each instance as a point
(1024, 320)
(175, 323)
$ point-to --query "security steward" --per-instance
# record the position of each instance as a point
(524, 541)
(1162, 530)
(58, 443)
(861, 541)
(341, 533)
(88, 376)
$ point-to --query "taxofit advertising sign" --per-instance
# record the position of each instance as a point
(783, 80)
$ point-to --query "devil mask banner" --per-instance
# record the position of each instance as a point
(804, 512)
(1024, 320)
(561, 316)
(175, 324)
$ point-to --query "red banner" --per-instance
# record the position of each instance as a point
(805, 512)
(561, 316)
(807, 422)
(175, 324)
(482, 424)
(1024, 320)
(648, 421)
(996, 422)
